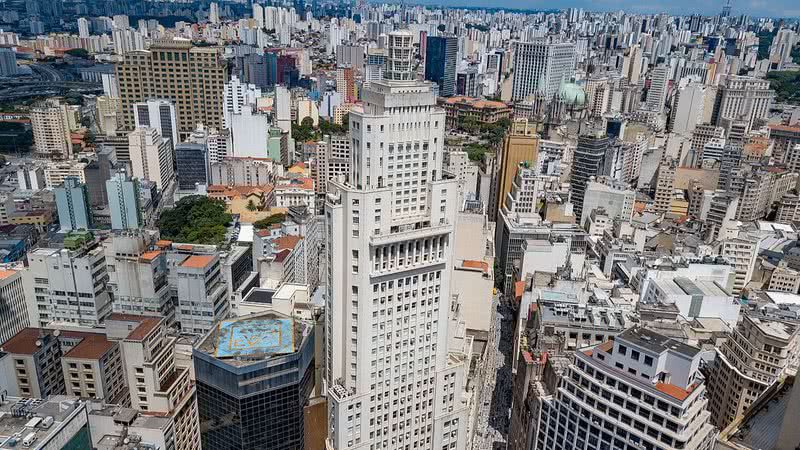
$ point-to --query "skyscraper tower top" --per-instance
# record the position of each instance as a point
(400, 58)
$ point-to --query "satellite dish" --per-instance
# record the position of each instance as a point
(38, 342)
(56, 333)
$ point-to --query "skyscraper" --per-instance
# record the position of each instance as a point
(659, 82)
(191, 160)
(540, 67)
(521, 145)
(123, 201)
(72, 201)
(440, 63)
(192, 78)
(158, 114)
(742, 98)
(390, 379)
(588, 162)
(151, 156)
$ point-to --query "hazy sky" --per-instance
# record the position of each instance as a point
(768, 8)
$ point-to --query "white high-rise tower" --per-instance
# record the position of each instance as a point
(394, 377)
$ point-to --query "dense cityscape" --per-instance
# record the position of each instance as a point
(325, 225)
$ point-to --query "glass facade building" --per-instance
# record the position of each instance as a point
(253, 382)
(440, 63)
(192, 163)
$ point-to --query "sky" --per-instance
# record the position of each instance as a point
(753, 8)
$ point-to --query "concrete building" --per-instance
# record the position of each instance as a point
(541, 66)
(742, 253)
(665, 187)
(295, 192)
(743, 98)
(157, 384)
(616, 198)
(72, 201)
(642, 378)
(386, 242)
(245, 171)
(192, 167)
(56, 172)
(124, 202)
(14, 313)
(279, 357)
(784, 279)
(196, 79)
(68, 284)
(52, 123)
(161, 115)
(139, 281)
(692, 298)
(690, 108)
(202, 294)
(520, 146)
(332, 161)
(659, 87)
(151, 157)
(758, 352)
(53, 422)
(238, 95)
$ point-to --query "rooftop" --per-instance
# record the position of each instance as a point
(250, 339)
(20, 417)
(655, 342)
(198, 261)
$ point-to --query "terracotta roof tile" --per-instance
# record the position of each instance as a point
(197, 261)
(149, 256)
(92, 346)
(7, 273)
(146, 325)
(163, 243)
(287, 242)
(24, 342)
(672, 390)
(472, 264)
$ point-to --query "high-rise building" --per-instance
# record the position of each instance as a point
(689, 108)
(743, 98)
(615, 198)
(190, 77)
(139, 280)
(640, 390)
(742, 253)
(238, 95)
(389, 262)
(758, 352)
(158, 114)
(123, 201)
(588, 162)
(332, 160)
(213, 13)
(659, 84)
(72, 202)
(83, 27)
(520, 146)
(157, 383)
(151, 156)
(202, 294)
(191, 160)
(245, 171)
(540, 67)
(441, 53)
(632, 64)
(14, 313)
(68, 284)
(665, 187)
(264, 384)
(8, 62)
(52, 123)
(345, 83)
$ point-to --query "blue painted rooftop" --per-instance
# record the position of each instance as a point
(271, 336)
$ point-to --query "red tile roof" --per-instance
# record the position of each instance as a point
(288, 242)
(92, 346)
(472, 264)
(24, 342)
(672, 390)
(149, 256)
(7, 273)
(197, 261)
(147, 325)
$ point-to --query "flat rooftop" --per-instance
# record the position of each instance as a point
(655, 342)
(250, 339)
(20, 417)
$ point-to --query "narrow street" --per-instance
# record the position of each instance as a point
(493, 417)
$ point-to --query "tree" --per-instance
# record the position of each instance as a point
(195, 219)
(271, 220)
(251, 206)
(78, 53)
(469, 124)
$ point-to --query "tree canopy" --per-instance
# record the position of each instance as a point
(267, 221)
(195, 220)
(786, 85)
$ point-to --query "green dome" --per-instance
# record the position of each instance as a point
(572, 95)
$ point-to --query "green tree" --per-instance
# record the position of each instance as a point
(271, 220)
(469, 124)
(78, 53)
(195, 220)
(251, 206)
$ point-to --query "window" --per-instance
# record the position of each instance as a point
(623, 350)
(635, 355)
(648, 361)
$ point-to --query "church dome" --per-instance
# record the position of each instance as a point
(572, 95)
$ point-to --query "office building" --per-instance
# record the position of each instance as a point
(640, 390)
(441, 53)
(245, 171)
(123, 201)
(519, 147)
(14, 313)
(8, 62)
(239, 95)
(743, 98)
(192, 78)
(742, 253)
(659, 84)
(393, 243)
(665, 187)
(264, 384)
(615, 198)
(151, 157)
(202, 293)
(158, 385)
(332, 160)
(540, 67)
(68, 284)
(161, 115)
(72, 201)
(589, 161)
(192, 165)
(758, 352)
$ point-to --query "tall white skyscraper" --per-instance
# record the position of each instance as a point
(213, 13)
(151, 156)
(158, 114)
(659, 82)
(393, 379)
(83, 27)
(541, 66)
(238, 95)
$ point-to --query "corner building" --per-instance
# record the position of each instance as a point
(390, 381)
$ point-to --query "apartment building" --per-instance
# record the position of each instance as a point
(202, 293)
